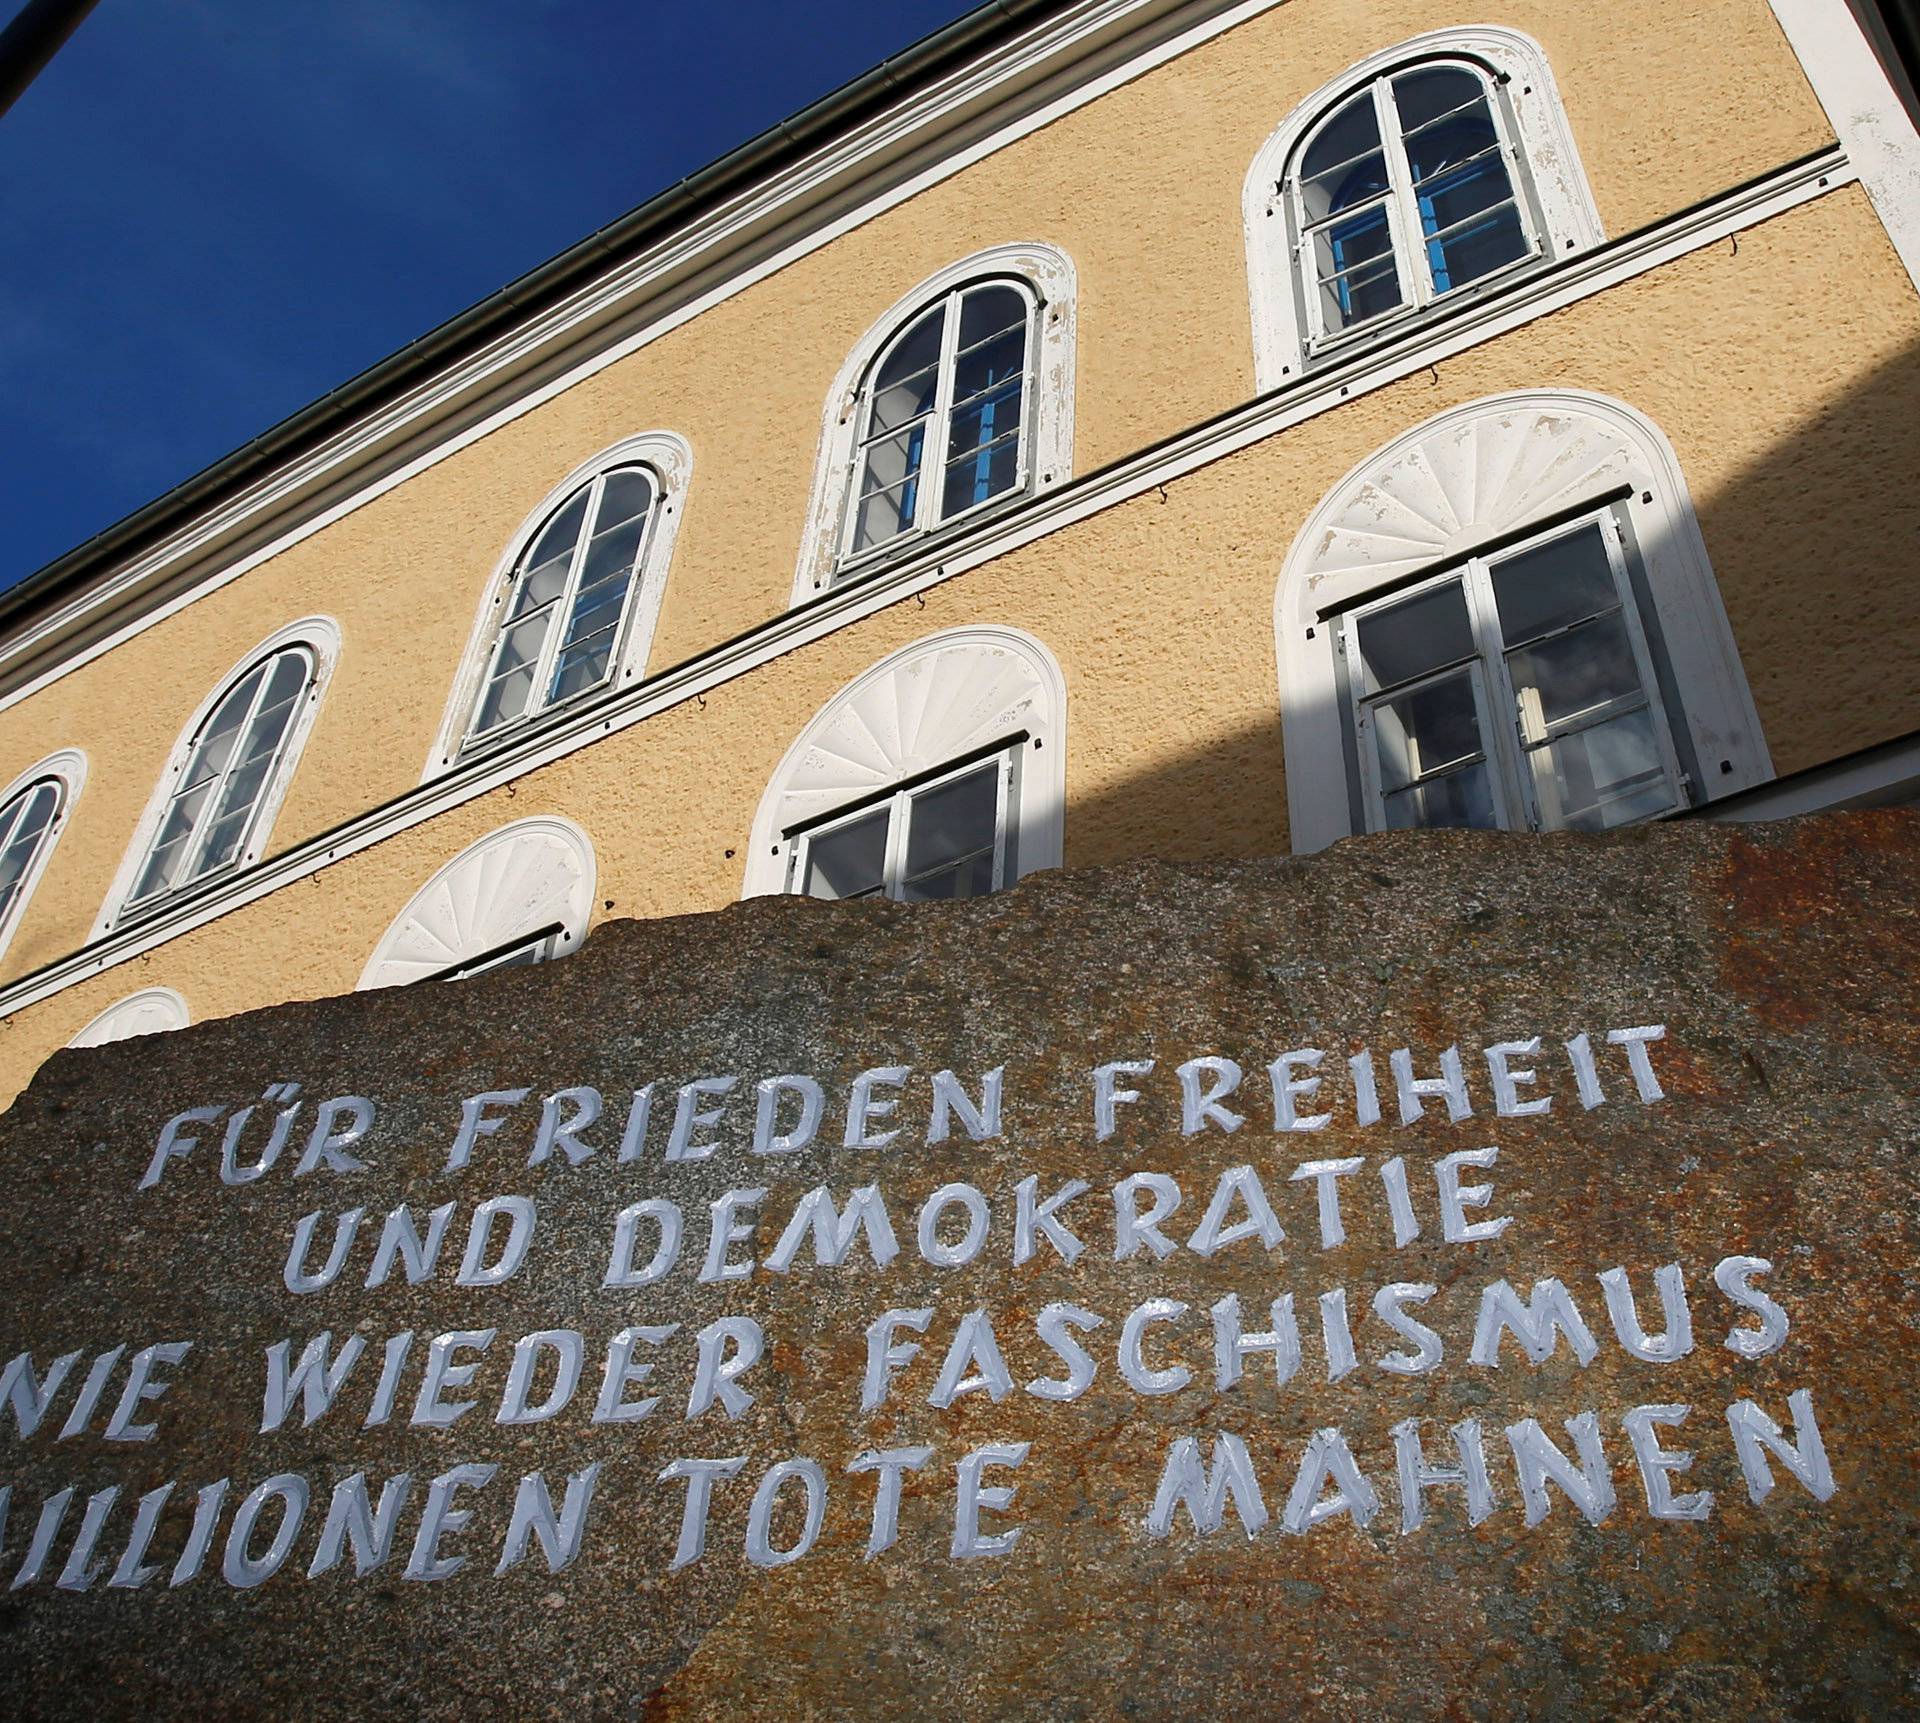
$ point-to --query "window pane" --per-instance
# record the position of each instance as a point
(987, 472)
(991, 311)
(627, 493)
(1425, 730)
(548, 557)
(953, 819)
(1450, 95)
(582, 665)
(890, 488)
(1553, 584)
(1461, 798)
(1572, 673)
(1343, 165)
(1605, 775)
(996, 364)
(972, 877)
(1479, 248)
(903, 387)
(521, 643)
(611, 554)
(1401, 641)
(1355, 269)
(848, 860)
(505, 698)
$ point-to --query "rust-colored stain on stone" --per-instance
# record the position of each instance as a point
(1776, 1118)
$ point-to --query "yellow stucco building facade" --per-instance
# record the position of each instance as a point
(1197, 430)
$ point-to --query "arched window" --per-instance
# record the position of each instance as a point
(33, 812)
(216, 801)
(937, 774)
(518, 895)
(1506, 618)
(959, 399)
(1438, 167)
(570, 610)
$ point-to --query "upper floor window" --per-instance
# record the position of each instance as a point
(943, 416)
(937, 774)
(570, 610)
(959, 399)
(216, 801)
(1436, 167)
(1405, 192)
(33, 811)
(1506, 618)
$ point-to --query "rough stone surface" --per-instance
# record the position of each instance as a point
(1783, 963)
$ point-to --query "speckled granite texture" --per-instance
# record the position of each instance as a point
(1782, 964)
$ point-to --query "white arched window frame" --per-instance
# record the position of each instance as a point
(969, 724)
(520, 894)
(34, 809)
(151, 1011)
(853, 444)
(563, 622)
(213, 810)
(1289, 233)
(1457, 500)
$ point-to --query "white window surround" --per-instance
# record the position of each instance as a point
(1048, 274)
(532, 877)
(151, 1011)
(1552, 184)
(1466, 478)
(951, 695)
(670, 459)
(69, 767)
(320, 635)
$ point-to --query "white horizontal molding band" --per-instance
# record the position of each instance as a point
(1537, 296)
(1057, 66)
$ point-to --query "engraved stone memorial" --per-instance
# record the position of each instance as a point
(1455, 1275)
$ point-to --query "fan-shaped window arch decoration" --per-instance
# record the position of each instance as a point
(151, 1011)
(518, 895)
(1426, 174)
(569, 610)
(33, 814)
(213, 809)
(958, 400)
(1507, 617)
(940, 772)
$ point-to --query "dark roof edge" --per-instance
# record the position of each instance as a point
(921, 63)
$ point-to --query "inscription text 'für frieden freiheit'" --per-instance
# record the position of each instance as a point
(912, 1357)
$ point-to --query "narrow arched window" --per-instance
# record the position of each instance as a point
(566, 607)
(27, 822)
(232, 767)
(943, 416)
(1409, 189)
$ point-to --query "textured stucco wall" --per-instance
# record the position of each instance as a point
(1791, 415)
(1142, 188)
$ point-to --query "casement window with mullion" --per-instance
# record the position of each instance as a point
(1409, 190)
(1517, 689)
(943, 418)
(567, 601)
(943, 837)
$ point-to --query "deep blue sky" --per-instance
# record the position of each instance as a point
(213, 211)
